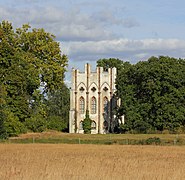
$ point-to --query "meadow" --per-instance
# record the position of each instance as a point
(55, 137)
(87, 161)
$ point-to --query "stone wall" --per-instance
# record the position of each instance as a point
(90, 91)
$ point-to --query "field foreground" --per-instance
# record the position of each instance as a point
(65, 161)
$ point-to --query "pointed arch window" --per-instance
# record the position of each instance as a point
(93, 125)
(82, 105)
(81, 125)
(93, 105)
(105, 104)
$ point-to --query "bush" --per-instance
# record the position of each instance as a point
(180, 130)
(87, 123)
(12, 125)
(141, 127)
(36, 123)
(154, 140)
(165, 131)
(56, 123)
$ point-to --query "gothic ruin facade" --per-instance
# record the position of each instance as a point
(93, 91)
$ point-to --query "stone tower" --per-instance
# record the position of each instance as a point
(93, 91)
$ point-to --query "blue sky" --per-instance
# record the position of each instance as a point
(131, 30)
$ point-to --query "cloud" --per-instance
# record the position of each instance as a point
(124, 48)
(69, 22)
(70, 25)
(110, 18)
(90, 34)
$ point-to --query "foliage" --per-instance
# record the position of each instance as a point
(154, 140)
(110, 63)
(87, 123)
(58, 108)
(3, 133)
(56, 123)
(36, 123)
(153, 95)
(30, 59)
(12, 125)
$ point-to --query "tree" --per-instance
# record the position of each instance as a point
(110, 63)
(122, 67)
(153, 95)
(87, 123)
(58, 109)
(30, 59)
(3, 134)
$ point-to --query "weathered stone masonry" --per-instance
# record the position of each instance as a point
(93, 91)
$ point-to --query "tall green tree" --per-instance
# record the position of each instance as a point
(153, 95)
(30, 59)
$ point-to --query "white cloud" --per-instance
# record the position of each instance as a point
(124, 48)
(92, 34)
(72, 25)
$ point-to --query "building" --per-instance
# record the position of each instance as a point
(93, 91)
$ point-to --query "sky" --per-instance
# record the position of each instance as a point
(89, 30)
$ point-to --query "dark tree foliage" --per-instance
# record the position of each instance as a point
(58, 109)
(153, 95)
(120, 66)
(3, 134)
(110, 63)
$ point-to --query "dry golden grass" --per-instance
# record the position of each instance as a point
(83, 162)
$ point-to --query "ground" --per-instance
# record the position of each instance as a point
(83, 162)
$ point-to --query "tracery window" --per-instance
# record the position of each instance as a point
(93, 89)
(93, 105)
(82, 105)
(81, 89)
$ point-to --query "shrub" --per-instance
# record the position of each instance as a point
(12, 125)
(56, 123)
(180, 130)
(154, 140)
(36, 123)
(165, 131)
(87, 123)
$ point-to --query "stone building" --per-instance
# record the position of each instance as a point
(93, 91)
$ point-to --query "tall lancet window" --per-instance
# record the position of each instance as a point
(105, 105)
(82, 105)
(93, 105)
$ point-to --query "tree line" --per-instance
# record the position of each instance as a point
(34, 97)
(152, 94)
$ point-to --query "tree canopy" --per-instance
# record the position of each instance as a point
(152, 94)
(31, 65)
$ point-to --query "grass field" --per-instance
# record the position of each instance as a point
(83, 162)
(122, 139)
